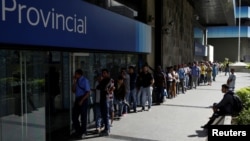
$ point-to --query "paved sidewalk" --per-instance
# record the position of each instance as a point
(178, 119)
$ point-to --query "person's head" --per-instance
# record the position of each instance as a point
(78, 73)
(232, 70)
(145, 69)
(99, 77)
(159, 69)
(224, 88)
(131, 69)
(105, 73)
(120, 79)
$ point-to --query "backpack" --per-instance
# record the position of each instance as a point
(237, 105)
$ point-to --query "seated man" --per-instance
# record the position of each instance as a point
(224, 107)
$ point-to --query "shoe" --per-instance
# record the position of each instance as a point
(104, 133)
(204, 126)
(77, 136)
(98, 130)
(143, 109)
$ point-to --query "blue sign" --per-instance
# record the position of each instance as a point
(228, 32)
(200, 50)
(71, 24)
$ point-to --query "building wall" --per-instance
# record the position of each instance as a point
(150, 18)
(228, 48)
(177, 32)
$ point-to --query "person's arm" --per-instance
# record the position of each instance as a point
(222, 103)
(230, 79)
(74, 85)
(86, 95)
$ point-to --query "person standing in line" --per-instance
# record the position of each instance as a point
(209, 71)
(195, 72)
(139, 87)
(169, 79)
(126, 79)
(147, 87)
(119, 94)
(98, 116)
(182, 74)
(187, 73)
(133, 76)
(106, 87)
(215, 71)
(160, 83)
(81, 88)
(203, 73)
(231, 80)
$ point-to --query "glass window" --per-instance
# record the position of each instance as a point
(22, 96)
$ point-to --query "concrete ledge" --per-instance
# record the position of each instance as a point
(223, 120)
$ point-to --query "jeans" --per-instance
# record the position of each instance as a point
(80, 110)
(127, 98)
(105, 114)
(147, 96)
(139, 96)
(133, 98)
(98, 115)
(194, 81)
(159, 94)
(187, 81)
(120, 104)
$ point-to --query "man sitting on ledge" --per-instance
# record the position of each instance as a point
(223, 108)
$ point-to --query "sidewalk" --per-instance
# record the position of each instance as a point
(178, 119)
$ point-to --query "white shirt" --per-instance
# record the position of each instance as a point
(232, 77)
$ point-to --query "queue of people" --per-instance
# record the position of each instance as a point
(131, 90)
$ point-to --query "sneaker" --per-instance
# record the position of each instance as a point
(98, 130)
(204, 126)
(77, 136)
(142, 109)
(104, 133)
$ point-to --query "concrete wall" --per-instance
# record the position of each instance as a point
(178, 42)
(228, 48)
(150, 12)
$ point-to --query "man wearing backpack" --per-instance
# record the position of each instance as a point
(224, 107)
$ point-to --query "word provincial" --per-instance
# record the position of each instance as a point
(38, 17)
(231, 133)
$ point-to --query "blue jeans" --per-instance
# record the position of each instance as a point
(133, 98)
(105, 114)
(139, 97)
(147, 96)
(120, 107)
(98, 115)
(127, 98)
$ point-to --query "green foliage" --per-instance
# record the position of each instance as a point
(244, 116)
(248, 66)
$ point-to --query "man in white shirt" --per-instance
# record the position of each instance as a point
(231, 80)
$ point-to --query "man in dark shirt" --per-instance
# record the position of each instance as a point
(106, 87)
(133, 77)
(160, 83)
(147, 83)
(224, 107)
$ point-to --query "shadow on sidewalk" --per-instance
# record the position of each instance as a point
(199, 133)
